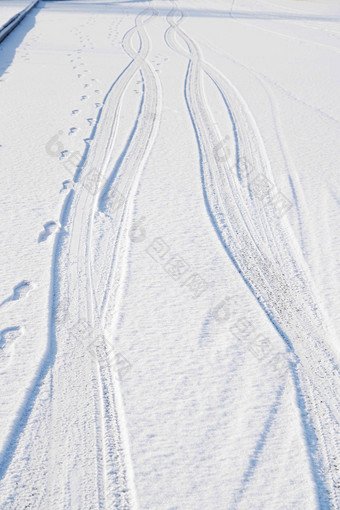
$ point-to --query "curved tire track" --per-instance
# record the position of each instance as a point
(260, 248)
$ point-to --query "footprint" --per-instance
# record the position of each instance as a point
(8, 338)
(19, 291)
(75, 112)
(90, 121)
(98, 105)
(63, 154)
(66, 186)
(49, 228)
(83, 98)
(72, 130)
(97, 91)
(9, 335)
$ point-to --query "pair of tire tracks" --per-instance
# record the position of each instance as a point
(277, 291)
(114, 479)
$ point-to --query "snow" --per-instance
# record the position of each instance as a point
(9, 8)
(169, 255)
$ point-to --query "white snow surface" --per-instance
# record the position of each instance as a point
(9, 8)
(170, 263)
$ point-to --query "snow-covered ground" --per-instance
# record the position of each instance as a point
(170, 266)
(9, 8)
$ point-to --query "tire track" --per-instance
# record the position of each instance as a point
(278, 291)
(126, 176)
(81, 436)
(114, 477)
